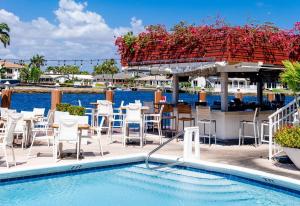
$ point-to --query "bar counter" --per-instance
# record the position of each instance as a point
(228, 123)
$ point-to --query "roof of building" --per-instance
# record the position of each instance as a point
(10, 65)
(154, 78)
(76, 76)
(53, 76)
(83, 76)
(120, 76)
(205, 43)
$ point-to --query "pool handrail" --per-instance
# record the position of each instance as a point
(158, 148)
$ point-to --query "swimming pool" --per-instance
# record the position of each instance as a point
(133, 184)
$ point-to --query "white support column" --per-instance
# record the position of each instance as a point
(224, 91)
(189, 134)
(175, 91)
(270, 139)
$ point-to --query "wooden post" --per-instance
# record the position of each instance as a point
(239, 94)
(6, 98)
(109, 95)
(202, 95)
(175, 91)
(271, 96)
(224, 91)
(157, 96)
(55, 98)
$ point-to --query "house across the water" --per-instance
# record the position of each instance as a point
(10, 70)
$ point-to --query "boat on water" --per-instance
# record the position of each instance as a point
(119, 89)
(127, 90)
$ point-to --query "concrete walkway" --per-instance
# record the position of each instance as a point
(245, 156)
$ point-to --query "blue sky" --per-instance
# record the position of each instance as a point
(169, 12)
(76, 29)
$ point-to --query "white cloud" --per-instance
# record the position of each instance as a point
(78, 33)
(137, 25)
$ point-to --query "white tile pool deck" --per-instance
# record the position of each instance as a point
(244, 156)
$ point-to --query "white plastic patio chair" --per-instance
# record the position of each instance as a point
(118, 117)
(83, 120)
(6, 112)
(85, 133)
(42, 131)
(39, 112)
(98, 135)
(68, 132)
(151, 110)
(150, 105)
(155, 120)
(45, 121)
(58, 115)
(3, 112)
(8, 136)
(21, 129)
(105, 110)
(119, 109)
(133, 116)
(27, 114)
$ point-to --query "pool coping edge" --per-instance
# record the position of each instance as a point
(256, 175)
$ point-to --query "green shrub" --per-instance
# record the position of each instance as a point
(73, 110)
(77, 110)
(63, 107)
(288, 136)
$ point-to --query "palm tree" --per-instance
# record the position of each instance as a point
(2, 71)
(52, 69)
(99, 69)
(4, 34)
(109, 66)
(25, 74)
(37, 61)
(112, 68)
(35, 74)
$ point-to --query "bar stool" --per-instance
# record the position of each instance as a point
(105, 110)
(148, 114)
(253, 123)
(184, 109)
(204, 117)
(133, 116)
(168, 115)
(155, 120)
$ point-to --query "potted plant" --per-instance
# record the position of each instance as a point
(288, 138)
(72, 109)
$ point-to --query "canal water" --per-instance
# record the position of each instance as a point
(28, 101)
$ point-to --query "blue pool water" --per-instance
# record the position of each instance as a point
(26, 102)
(134, 185)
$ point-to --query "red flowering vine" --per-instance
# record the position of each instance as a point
(220, 41)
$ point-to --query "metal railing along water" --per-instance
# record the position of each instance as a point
(158, 148)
